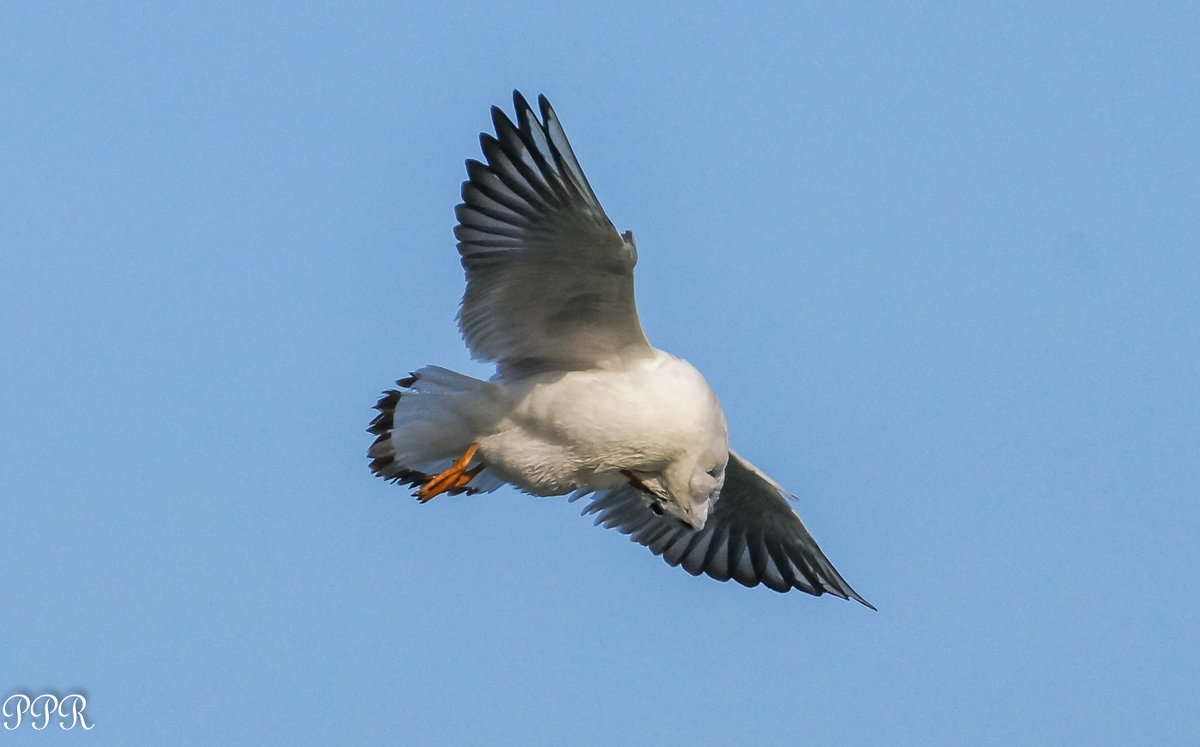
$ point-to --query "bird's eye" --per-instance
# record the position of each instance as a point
(657, 508)
(715, 472)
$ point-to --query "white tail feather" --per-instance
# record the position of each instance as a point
(431, 420)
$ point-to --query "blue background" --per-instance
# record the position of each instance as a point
(940, 263)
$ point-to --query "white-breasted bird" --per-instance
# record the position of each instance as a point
(581, 404)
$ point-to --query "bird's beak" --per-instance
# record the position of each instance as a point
(694, 521)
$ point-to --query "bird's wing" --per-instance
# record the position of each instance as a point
(752, 535)
(549, 279)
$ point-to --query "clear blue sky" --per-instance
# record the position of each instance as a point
(940, 264)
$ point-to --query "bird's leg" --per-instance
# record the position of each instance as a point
(453, 479)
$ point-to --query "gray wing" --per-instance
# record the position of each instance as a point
(752, 535)
(549, 279)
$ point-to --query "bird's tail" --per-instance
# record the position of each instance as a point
(432, 418)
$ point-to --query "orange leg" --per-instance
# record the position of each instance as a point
(454, 479)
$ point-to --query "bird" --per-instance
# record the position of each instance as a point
(581, 405)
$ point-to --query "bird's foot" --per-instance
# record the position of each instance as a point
(454, 479)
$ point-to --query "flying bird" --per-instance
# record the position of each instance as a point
(581, 404)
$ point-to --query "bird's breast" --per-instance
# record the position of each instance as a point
(582, 428)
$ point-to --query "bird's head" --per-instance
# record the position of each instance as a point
(685, 489)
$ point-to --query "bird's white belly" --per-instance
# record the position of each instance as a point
(582, 428)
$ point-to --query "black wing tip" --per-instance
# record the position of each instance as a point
(500, 119)
(488, 140)
(845, 592)
(848, 594)
(520, 103)
(838, 587)
(825, 579)
(852, 594)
